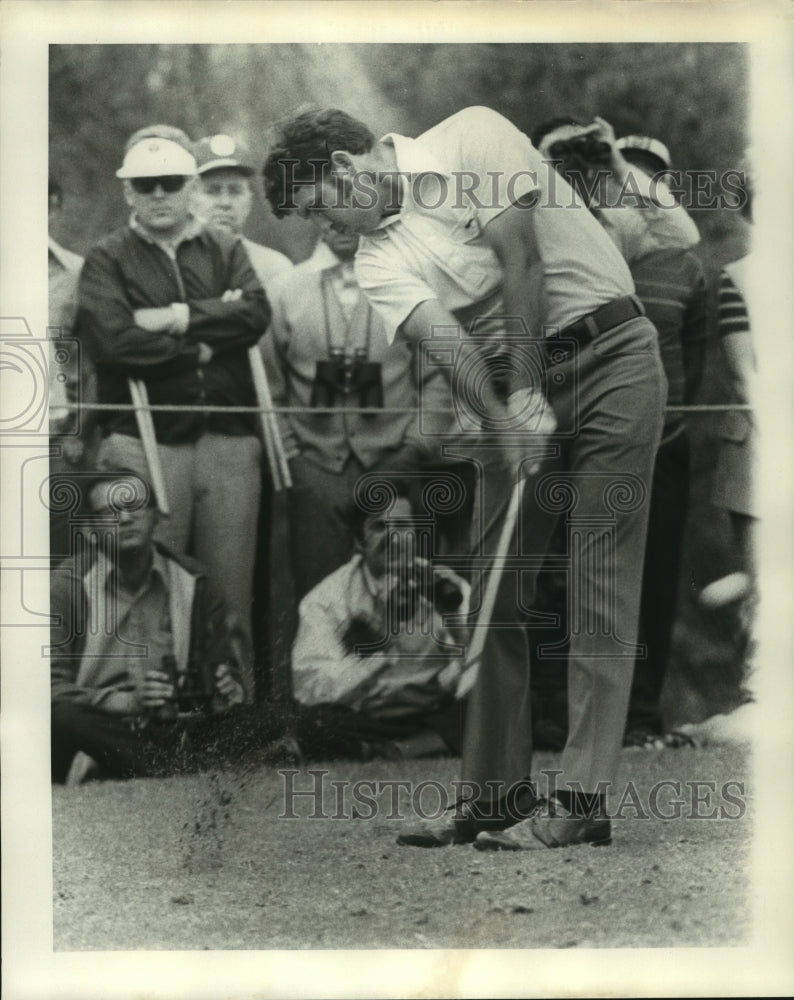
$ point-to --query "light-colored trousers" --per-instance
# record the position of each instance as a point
(214, 488)
(609, 399)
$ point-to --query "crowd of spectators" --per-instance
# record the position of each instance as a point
(155, 668)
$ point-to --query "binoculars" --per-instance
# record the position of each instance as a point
(349, 379)
(194, 691)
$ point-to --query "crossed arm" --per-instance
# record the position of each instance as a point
(141, 337)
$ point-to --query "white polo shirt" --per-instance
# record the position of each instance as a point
(455, 179)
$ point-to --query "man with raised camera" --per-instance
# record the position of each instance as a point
(622, 182)
(373, 664)
(462, 224)
(172, 306)
(326, 351)
(141, 664)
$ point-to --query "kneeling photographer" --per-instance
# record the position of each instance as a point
(374, 663)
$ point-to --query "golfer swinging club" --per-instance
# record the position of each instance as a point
(461, 225)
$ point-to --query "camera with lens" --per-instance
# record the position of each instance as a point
(196, 691)
(577, 159)
(444, 595)
(582, 152)
(348, 378)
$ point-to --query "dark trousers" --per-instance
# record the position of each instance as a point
(548, 649)
(236, 738)
(321, 535)
(123, 750)
(661, 573)
(329, 732)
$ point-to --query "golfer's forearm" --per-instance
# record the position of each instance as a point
(523, 293)
(511, 236)
(523, 297)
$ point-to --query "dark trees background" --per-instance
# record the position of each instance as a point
(692, 96)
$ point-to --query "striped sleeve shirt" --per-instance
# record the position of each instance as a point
(731, 308)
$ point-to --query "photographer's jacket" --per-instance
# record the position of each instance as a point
(128, 271)
(178, 611)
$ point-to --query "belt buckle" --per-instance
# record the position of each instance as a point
(636, 301)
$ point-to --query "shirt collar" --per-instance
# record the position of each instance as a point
(413, 159)
(194, 227)
(102, 568)
(322, 258)
(374, 585)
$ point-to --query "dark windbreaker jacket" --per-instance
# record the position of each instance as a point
(125, 272)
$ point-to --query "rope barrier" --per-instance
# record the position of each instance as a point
(342, 410)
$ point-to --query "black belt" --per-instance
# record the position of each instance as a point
(606, 317)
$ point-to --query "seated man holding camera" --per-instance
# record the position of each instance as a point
(141, 666)
(326, 349)
(374, 668)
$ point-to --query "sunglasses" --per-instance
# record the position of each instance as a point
(169, 183)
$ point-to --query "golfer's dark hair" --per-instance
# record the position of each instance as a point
(539, 132)
(301, 147)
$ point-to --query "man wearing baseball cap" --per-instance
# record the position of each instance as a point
(643, 151)
(224, 197)
(171, 303)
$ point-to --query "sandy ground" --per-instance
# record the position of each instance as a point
(206, 862)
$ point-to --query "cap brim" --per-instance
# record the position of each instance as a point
(643, 158)
(228, 164)
(153, 172)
